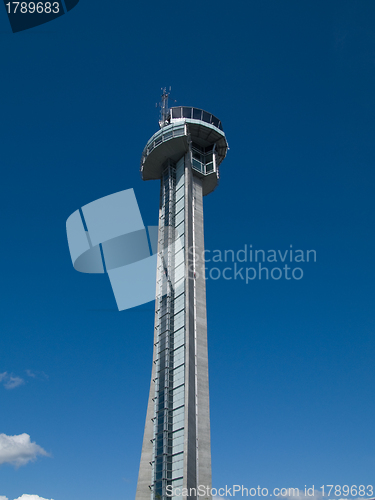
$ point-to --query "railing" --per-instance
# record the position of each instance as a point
(165, 134)
(195, 114)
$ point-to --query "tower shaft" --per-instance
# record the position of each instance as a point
(176, 454)
(176, 448)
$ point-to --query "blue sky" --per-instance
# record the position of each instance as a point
(291, 361)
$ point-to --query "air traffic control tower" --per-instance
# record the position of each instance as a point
(185, 155)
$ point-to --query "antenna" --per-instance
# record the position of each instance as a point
(164, 109)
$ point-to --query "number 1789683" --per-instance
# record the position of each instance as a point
(33, 8)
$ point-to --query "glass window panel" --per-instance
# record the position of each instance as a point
(176, 112)
(162, 307)
(179, 302)
(177, 448)
(197, 114)
(179, 243)
(179, 392)
(164, 323)
(178, 402)
(178, 360)
(179, 417)
(209, 167)
(197, 165)
(176, 483)
(215, 121)
(177, 458)
(178, 421)
(180, 228)
(178, 356)
(178, 371)
(186, 112)
(176, 474)
(179, 217)
(161, 381)
(178, 440)
(179, 339)
(162, 335)
(178, 374)
(180, 181)
(161, 366)
(179, 272)
(178, 412)
(180, 164)
(179, 288)
(179, 205)
(180, 193)
(178, 435)
(162, 345)
(206, 117)
(179, 320)
(179, 259)
(180, 173)
(177, 382)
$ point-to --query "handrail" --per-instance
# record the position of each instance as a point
(165, 134)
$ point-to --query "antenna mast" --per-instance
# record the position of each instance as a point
(164, 109)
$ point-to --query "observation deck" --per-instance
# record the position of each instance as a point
(187, 129)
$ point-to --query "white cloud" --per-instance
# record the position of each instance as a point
(13, 382)
(10, 381)
(28, 497)
(2, 497)
(19, 450)
(36, 375)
